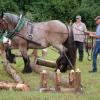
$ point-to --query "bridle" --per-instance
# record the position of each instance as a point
(16, 30)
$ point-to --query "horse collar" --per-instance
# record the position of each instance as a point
(17, 29)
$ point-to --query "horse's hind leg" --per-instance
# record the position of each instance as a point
(27, 67)
(61, 60)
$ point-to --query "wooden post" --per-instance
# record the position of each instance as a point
(44, 53)
(71, 78)
(43, 83)
(47, 63)
(51, 75)
(77, 81)
(58, 80)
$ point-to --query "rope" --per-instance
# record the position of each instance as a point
(90, 54)
(68, 60)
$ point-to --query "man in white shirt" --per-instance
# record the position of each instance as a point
(78, 30)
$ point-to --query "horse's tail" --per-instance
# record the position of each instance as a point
(68, 60)
(70, 45)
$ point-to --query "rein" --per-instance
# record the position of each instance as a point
(89, 52)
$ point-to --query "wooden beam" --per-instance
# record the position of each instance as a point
(14, 86)
(12, 72)
(46, 63)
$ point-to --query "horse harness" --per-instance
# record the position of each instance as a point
(15, 32)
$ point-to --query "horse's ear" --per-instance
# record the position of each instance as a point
(21, 14)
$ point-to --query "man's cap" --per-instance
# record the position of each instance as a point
(78, 16)
(98, 17)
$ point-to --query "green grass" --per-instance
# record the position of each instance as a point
(91, 82)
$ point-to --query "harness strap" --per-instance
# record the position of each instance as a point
(19, 26)
(31, 41)
(30, 35)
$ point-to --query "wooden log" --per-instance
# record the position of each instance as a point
(63, 90)
(67, 89)
(58, 81)
(12, 72)
(14, 86)
(77, 81)
(46, 63)
(71, 78)
(43, 83)
(51, 75)
(47, 90)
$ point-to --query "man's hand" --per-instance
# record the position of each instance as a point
(91, 34)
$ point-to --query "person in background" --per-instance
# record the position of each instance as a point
(78, 30)
(96, 50)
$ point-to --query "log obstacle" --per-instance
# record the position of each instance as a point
(44, 62)
(58, 81)
(74, 82)
(14, 86)
(19, 85)
(12, 72)
(51, 75)
(44, 79)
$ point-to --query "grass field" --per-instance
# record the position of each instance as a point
(90, 81)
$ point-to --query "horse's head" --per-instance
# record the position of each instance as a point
(3, 22)
(8, 21)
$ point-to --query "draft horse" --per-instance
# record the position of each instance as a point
(26, 34)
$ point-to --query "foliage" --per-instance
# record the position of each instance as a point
(41, 10)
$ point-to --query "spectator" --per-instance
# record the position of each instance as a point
(96, 50)
(78, 30)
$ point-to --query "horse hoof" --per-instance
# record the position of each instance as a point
(23, 71)
(63, 70)
(29, 70)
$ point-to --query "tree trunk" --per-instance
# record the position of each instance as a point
(10, 86)
(12, 73)
(47, 63)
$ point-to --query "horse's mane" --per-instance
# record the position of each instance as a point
(12, 18)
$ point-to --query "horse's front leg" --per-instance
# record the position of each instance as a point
(27, 66)
(3, 53)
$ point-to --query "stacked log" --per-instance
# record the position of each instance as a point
(75, 80)
(43, 83)
(58, 81)
(46, 63)
(51, 75)
(14, 86)
(12, 72)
